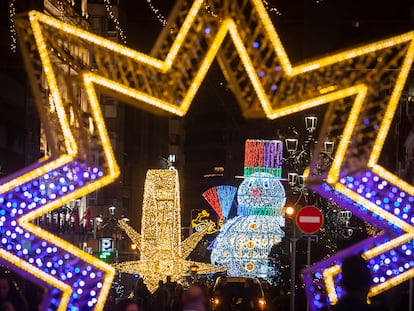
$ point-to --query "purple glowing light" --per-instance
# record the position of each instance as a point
(388, 264)
(42, 254)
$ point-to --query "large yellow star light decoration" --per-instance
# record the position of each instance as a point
(162, 253)
(241, 35)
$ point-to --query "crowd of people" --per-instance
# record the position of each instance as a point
(15, 294)
(171, 296)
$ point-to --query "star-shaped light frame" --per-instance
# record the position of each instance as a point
(259, 73)
(358, 182)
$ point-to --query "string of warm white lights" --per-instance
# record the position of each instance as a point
(161, 18)
(112, 16)
(270, 8)
(13, 35)
(210, 10)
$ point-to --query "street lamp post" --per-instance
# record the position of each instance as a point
(194, 272)
(299, 156)
(290, 214)
(293, 241)
(109, 228)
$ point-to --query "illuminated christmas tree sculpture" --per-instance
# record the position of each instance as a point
(244, 242)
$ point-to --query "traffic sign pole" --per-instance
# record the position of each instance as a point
(308, 263)
(309, 220)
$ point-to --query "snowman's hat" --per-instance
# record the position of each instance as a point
(263, 156)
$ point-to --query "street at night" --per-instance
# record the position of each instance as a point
(206, 155)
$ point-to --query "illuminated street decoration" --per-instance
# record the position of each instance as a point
(363, 84)
(263, 156)
(244, 242)
(162, 253)
(203, 220)
(221, 199)
(358, 182)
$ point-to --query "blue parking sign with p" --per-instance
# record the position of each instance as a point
(106, 245)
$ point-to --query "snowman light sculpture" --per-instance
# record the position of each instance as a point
(244, 242)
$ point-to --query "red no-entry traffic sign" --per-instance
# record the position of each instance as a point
(309, 219)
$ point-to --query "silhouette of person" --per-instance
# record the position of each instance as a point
(194, 299)
(127, 305)
(356, 281)
(141, 293)
(170, 287)
(10, 294)
(160, 297)
(177, 303)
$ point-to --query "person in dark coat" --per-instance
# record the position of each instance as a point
(10, 294)
(127, 305)
(141, 294)
(356, 281)
(160, 298)
(194, 299)
(177, 302)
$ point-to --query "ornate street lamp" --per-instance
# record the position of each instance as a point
(299, 156)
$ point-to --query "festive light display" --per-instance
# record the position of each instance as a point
(261, 194)
(357, 181)
(162, 253)
(13, 35)
(263, 80)
(244, 242)
(263, 156)
(160, 17)
(271, 8)
(111, 15)
(203, 221)
(74, 277)
(221, 198)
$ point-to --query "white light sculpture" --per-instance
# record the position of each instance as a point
(244, 242)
